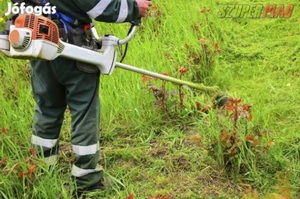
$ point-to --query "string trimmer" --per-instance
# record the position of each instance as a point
(30, 36)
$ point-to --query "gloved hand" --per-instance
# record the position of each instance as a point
(144, 6)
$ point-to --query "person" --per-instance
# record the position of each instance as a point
(62, 83)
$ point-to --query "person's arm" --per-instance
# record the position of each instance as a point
(114, 11)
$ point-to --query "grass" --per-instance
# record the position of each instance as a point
(187, 153)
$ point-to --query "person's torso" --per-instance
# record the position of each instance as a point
(69, 8)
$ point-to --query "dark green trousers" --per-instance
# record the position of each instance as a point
(56, 85)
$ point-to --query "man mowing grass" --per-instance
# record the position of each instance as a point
(63, 82)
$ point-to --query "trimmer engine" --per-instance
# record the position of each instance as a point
(32, 36)
(37, 37)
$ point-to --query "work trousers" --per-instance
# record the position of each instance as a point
(57, 84)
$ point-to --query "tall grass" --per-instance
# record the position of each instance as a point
(147, 152)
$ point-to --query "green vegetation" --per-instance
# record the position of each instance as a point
(156, 143)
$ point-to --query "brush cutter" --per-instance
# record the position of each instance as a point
(36, 37)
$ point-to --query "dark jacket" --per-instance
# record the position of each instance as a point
(113, 11)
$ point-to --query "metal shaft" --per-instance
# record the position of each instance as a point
(167, 78)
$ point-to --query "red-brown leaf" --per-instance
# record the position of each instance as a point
(32, 169)
(250, 137)
(3, 130)
(22, 175)
(159, 197)
(3, 162)
(146, 78)
(183, 70)
(130, 196)
(32, 151)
